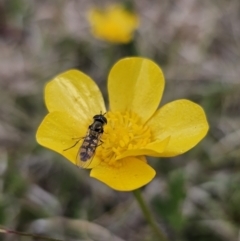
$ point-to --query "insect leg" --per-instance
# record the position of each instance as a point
(79, 139)
(101, 142)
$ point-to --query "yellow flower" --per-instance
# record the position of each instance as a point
(135, 128)
(114, 24)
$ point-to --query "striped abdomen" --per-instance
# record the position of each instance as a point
(88, 147)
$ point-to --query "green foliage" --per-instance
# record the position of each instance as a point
(170, 207)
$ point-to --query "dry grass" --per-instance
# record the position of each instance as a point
(195, 196)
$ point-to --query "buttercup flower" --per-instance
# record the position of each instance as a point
(136, 127)
(114, 24)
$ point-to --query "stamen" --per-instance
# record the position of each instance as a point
(123, 132)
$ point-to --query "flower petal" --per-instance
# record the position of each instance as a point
(60, 131)
(114, 24)
(131, 174)
(135, 84)
(75, 93)
(183, 121)
(152, 149)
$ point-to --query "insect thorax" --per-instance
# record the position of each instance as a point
(96, 128)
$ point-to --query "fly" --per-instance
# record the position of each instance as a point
(91, 141)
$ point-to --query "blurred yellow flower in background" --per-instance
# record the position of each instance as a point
(113, 24)
(136, 127)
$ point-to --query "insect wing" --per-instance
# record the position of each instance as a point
(87, 151)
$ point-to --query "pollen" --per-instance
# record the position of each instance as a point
(124, 131)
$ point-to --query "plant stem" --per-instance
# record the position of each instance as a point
(149, 217)
(7, 231)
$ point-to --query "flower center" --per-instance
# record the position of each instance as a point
(123, 132)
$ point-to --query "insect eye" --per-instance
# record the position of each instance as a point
(104, 120)
(100, 118)
(97, 117)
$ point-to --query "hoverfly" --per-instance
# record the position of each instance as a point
(91, 141)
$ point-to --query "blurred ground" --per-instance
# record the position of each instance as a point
(195, 196)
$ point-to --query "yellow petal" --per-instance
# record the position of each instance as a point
(75, 93)
(60, 131)
(131, 174)
(135, 84)
(155, 148)
(183, 121)
(114, 24)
